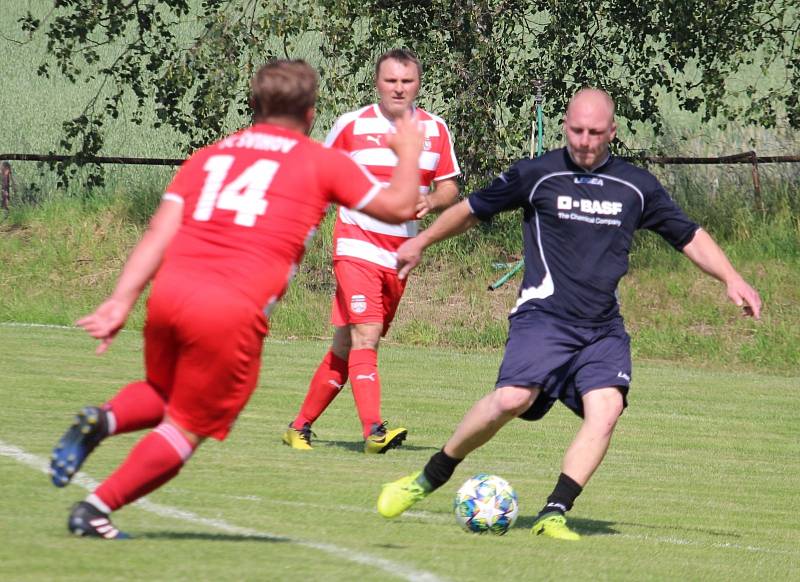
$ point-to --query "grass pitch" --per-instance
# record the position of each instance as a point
(701, 480)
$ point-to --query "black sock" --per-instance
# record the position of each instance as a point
(438, 471)
(563, 496)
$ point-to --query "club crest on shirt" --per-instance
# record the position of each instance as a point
(358, 304)
(426, 145)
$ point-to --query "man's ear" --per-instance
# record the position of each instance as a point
(253, 102)
(311, 113)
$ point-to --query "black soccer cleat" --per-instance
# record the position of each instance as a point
(86, 520)
(90, 427)
(383, 438)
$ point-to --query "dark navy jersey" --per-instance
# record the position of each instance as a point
(577, 229)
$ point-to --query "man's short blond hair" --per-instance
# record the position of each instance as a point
(283, 88)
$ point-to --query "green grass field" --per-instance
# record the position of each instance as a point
(701, 481)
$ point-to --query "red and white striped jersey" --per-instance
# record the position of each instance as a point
(362, 134)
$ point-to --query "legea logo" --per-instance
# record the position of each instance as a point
(589, 206)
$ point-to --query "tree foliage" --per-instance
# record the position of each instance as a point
(190, 62)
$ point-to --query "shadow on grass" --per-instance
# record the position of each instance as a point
(210, 537)
(390, 546)
(358, 446)
(585, 527)
(595, 527)
(704, 530)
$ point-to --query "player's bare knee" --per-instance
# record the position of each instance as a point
(603, 407)
(513, 400)
(366, 336)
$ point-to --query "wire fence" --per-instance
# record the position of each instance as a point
(748, 157)
(93, 159)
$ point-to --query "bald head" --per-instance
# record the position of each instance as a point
(595, 100)
(589, 127)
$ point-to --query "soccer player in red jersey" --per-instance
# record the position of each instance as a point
(368, 290)
(220, 251)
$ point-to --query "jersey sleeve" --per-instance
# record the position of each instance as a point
(346, 182)
(336, 136)
(662, 215)
(185, 181)
(448, 164)
(506, 192)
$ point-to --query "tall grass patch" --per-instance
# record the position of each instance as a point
(61, 249)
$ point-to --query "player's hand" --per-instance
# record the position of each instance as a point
(408, 137)
(745, 297)
(423, 206)
(105, 322)
(408, 256)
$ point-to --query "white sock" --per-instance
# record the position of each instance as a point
(111, 421)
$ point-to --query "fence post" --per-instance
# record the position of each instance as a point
(756, 182)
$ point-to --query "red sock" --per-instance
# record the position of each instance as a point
(326, 384)
(136, 406)
(366, 387)
(155, 459)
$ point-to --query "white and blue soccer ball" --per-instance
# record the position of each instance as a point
(486, 503)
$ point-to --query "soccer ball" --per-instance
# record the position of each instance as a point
(486, 503)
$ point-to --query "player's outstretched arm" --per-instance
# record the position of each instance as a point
(105, 322)
(444, 195)
(706, 254)
(453, 221)
(396, 202)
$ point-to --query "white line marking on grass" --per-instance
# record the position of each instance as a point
(44, 325)
(429, 516)
(90, 484)
(392, 568)
(682, 542)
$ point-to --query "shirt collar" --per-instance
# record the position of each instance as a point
(377, 108)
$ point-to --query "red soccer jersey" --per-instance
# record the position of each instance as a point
(362, 133)
(251, 204)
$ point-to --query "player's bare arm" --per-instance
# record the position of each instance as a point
(110, 316)
(443, 195)
(710, 258)
(396, 203)
(453, 221)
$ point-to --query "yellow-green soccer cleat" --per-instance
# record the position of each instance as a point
(554, 525)
(299, 439)
(381, 439)
(399, 495)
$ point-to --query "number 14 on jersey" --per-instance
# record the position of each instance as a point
(245, 194)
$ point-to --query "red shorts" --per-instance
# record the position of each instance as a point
(202, 348)
(365, 294)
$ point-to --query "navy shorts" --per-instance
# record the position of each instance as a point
(564, 360)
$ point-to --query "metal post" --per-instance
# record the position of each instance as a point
(756, 182)
(538, 83)
(537, 106)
